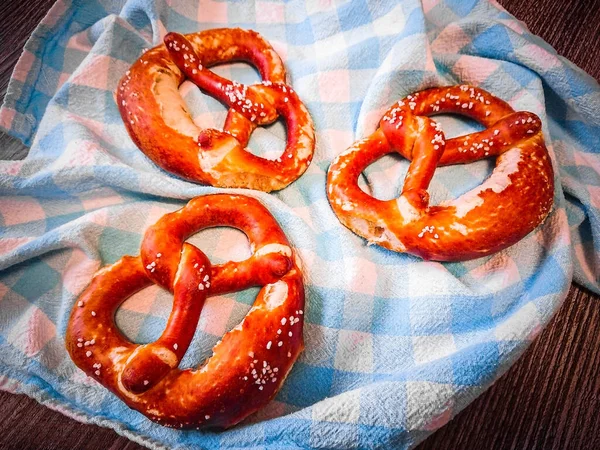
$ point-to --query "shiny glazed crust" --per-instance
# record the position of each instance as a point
(249, 364)
(157, 119)
(513, 201)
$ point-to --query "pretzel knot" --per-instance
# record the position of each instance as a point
(247, 366)
(159, 123)
(513, 201)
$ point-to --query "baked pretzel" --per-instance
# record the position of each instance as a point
(249, 364)
(507, 206)
(159, 123)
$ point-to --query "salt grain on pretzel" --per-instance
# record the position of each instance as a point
(247, 367)
(513, 201)
(159, 123)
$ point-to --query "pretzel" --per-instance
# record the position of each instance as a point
(159, 123)
(513, 201)
(247, 367)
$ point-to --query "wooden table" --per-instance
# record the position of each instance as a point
(550, 399)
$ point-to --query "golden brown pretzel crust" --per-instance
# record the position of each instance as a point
(507, 206)
(248, 365)
(157, 119)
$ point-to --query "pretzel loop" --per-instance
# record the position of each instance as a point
(149, 364)
(508, 205)
(251, 361)
(271, 254)
(212, 156)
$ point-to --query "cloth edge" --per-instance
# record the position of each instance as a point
(65, 408)
(37, 39)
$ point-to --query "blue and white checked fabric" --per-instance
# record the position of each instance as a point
(395, 346)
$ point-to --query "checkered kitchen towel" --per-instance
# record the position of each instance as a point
(395, 346)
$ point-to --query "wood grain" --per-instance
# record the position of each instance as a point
(550, 399)
(572, 27)
(18, 19)
(25, 424)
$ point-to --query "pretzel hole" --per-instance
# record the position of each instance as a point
(143, 316)
(222, 244)
(457, 125)
(269, 141)
(384, 177)
(221, 314)
(242, 72)
(205, 110)
(450, 182)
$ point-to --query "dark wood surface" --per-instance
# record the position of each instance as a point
(550, 399)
